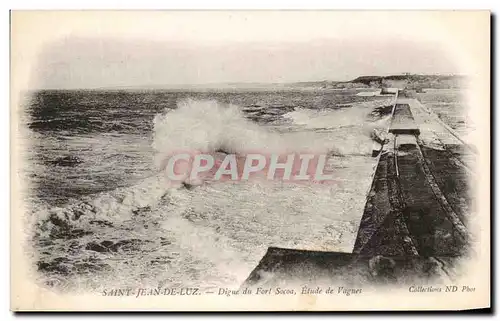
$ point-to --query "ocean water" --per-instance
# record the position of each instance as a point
(103, 214)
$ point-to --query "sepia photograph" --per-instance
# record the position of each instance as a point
(250, 160)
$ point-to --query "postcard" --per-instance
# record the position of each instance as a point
(274, 160)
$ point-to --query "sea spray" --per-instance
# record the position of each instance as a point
(209, 126)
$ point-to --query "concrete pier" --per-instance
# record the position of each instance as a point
(414, 224)
(403, 121)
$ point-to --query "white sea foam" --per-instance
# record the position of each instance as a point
(208, 126)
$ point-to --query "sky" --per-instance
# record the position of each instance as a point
(67, 50)
(107, 62)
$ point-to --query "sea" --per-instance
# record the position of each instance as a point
(102, 213)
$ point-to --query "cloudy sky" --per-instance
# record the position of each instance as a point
(141, 49)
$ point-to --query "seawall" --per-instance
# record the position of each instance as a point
(414, 223)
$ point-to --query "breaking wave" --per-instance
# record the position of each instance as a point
(209, 126)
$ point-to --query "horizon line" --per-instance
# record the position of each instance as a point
(242, 83)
